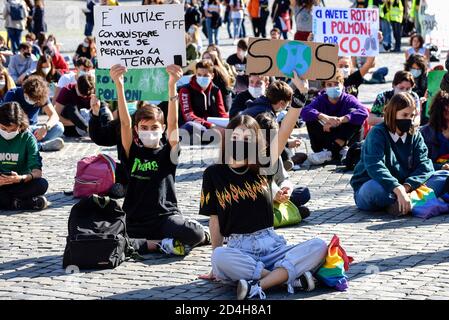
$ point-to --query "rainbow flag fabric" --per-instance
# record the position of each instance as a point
(443, 159)
(425, 203)
(333, 272)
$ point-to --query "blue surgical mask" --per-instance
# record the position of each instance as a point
(203, 82)
(334, 92)
(416, 73)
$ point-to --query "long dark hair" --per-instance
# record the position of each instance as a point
(417, 59)
(12, 114)
(438, 109)
(251, 124)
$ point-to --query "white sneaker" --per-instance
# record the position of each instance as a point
(344, 153)
(319, 158)
(172, 246)
(52, 145)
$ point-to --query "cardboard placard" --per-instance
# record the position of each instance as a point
(278, 58)
(354, 30)
(140, 84)
(434, 79)
(140, 37)
(434, 23)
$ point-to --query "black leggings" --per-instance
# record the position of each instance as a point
(34, 188)
(188, 232)
(72, 113)
(320, 140)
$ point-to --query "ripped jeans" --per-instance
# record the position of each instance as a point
(247, 255)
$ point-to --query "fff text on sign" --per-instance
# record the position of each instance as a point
(140, 37)
(355, 31)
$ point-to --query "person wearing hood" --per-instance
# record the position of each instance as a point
(256, 89)
(200, 99)
(277, 97)
(334, 122)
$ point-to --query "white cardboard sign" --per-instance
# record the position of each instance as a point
(140, 37)
(354, 30)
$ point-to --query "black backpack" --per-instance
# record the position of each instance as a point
(353, 156)
(97, 237)
(17, 11)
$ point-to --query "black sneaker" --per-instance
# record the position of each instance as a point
(35, 203)
(305, 282)
(207, 239)
(304, 212)
(248, 289)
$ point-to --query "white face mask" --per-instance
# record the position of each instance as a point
(150, 139)
(256, 92)
(86, 44)
(46, 70)
(2, 84)
(8, 135)
(346, 72)
(396, 91)
(28, 100)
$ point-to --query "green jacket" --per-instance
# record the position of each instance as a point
(392, 164)
(20, 154)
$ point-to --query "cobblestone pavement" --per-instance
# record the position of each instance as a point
(394, 258)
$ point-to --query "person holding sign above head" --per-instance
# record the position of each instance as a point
(201, 99)
(334, 122)
(394, 162)
(403, 81)
(150, 203)
(236, 195)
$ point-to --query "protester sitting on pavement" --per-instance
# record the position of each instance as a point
(256, 89)
(417, 47)
(214, 56)
(6, 82)
(215, 50)
(238, 62)
(5, 52)
(436, 132)
(403, 81)
(33, 97)
(46, 70)
(282, 188)
(221, 79)
(201, 99)
(236, 196)
(30, 38)
(150, 202)
(394, 162)
(354, 78)
(22, 64)
(275, 34)
(87, 49)
(73, 105)
(417, 66)
(21, 184)
(82, 66)
(58, 60)
(334, 122)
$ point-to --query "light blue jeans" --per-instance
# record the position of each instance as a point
(56, 132)
(386, 32)
(247, 255)
(373, 197)
(237, 27)
(211, 33)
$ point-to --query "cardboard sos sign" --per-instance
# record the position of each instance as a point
(278, 58)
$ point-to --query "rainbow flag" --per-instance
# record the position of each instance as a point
(443, 159)
(333, 272)
(425, 203)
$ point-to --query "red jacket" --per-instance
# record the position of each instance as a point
(198, 104)
(59, 63)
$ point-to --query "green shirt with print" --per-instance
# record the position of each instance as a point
(20, 154)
